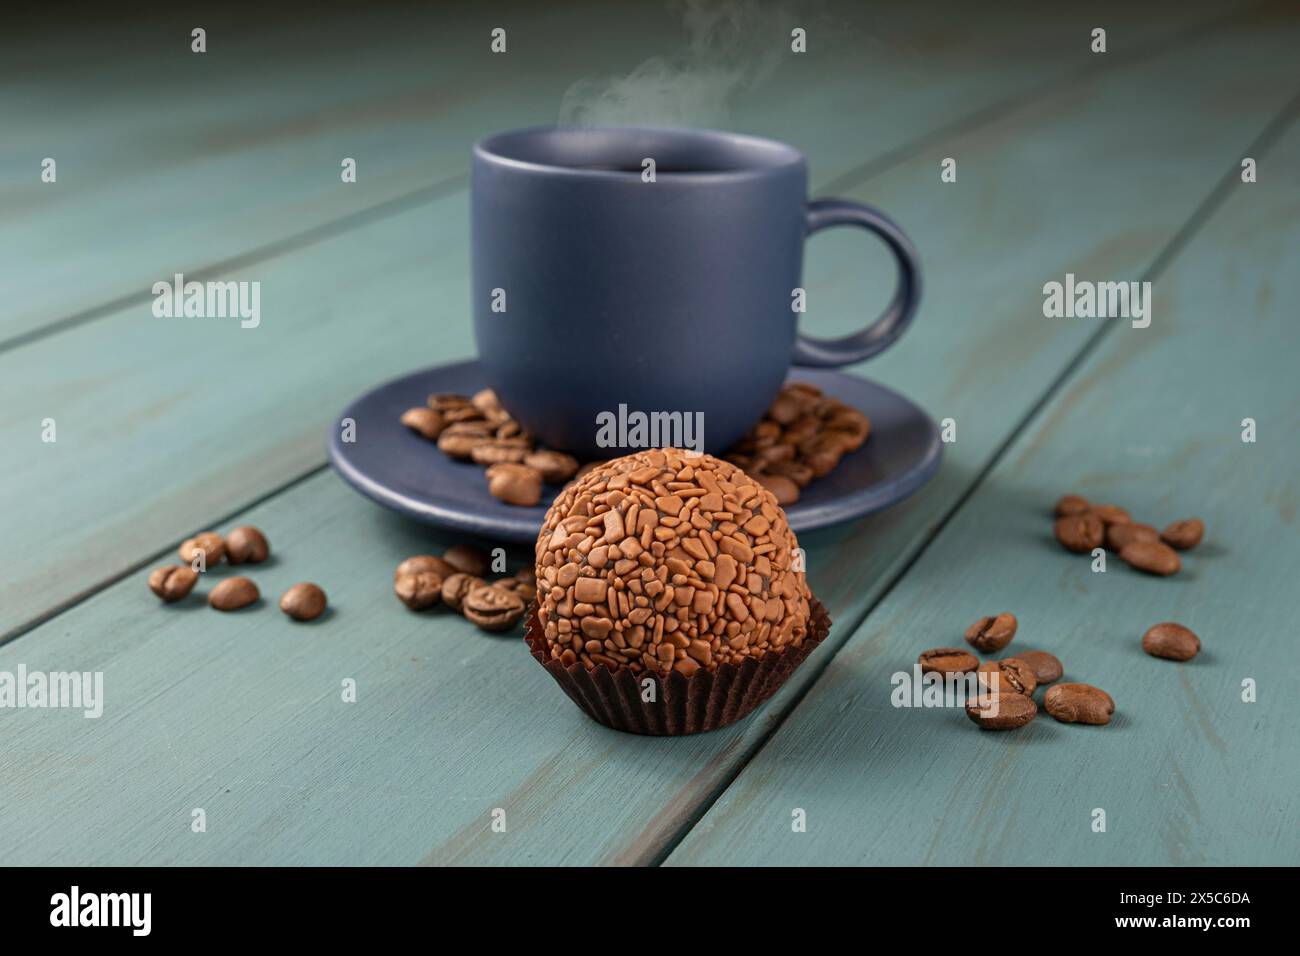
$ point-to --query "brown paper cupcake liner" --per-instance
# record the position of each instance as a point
(704, 701)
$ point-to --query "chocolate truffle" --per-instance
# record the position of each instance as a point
(666, 560)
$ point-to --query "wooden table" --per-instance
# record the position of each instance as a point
(1117, 166)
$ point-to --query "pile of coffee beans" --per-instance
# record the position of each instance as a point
(1010, 682)
(244, 545)
(480, 430)
(802, 437)
(1082, 527)
(459, 580)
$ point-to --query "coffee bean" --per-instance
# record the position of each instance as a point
(1111, 514)
(796, 471)
(418, 589)
(1184, 535)
(555, 467)
(1071, 505)
(1045, 666)
(233, 593)
(469, 559)
(247, 544)
(1009, 675)
(493, 608)
(424, 562)
(1001, 711)
(527, 590)
(1119, 535)
(1153, 557)
(990, 634)
(457, 587)
(174, 582)
(208, 542)
(497, 451)
(489, 406)
(1080, 533)
(515, 484)
(1171, 641)
(947, 660)
(459, 440)
(303, 602)
(1078, 704)
(427, 422)
(447, 402)
(785, 490)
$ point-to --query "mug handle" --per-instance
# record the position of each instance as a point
(828, 353)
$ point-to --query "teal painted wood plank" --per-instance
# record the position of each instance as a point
(136, 404)
(201, 159)
(1187, 773)
(237, 714)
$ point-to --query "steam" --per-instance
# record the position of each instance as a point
(733, 46)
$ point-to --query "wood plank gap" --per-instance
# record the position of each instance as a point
(1257, 148)
(167, 553)
(271, 250)
(1006, 107)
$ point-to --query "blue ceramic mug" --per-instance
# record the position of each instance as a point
(619, 272)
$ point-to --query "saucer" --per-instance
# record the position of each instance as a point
(394, 466)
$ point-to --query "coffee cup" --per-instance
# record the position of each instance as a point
(648, 280)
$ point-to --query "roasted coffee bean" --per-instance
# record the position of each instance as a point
(1009, 675)
(489, 406)
(515, 484)
(174, 582)
(1111, 514)
(493, 608)
(1081, 532)
(1001, 711)
(424, 562)
(1078, 704)
(460, 439)
(209, 542)
(465, 414)
(1171, 641)
(247, 545)
(419, 589)
(233, 593)
(1046, 667)
(467, 558)
(1120, 535)
(446, 401)
(1153, 557)
(1184, 535)
(527, 590)
(796, 471)
(1071, 505)
(497, 451)
(457, 587)
(425, 421)
(947, 660)
(555, 467)
(785, 490)
(990, 634)
(303, 602)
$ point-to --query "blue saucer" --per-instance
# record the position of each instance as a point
(397, 468)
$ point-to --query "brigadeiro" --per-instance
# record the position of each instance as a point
(671, 596)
